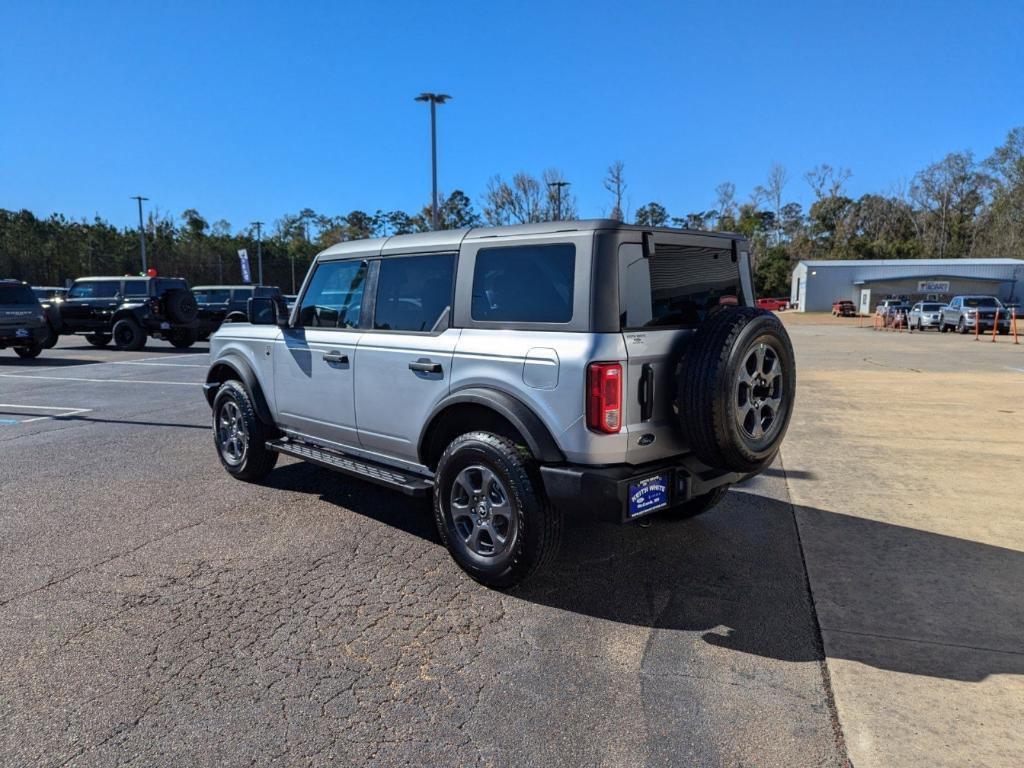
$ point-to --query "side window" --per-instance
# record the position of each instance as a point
(98, 289)
(334, 297)
(136, 288)
(679, 286)
(242, 294)
(524, 284)
(414, 293)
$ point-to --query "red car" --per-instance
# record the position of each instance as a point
(844, 308)
(773, 305)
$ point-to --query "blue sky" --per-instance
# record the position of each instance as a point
(251, 110)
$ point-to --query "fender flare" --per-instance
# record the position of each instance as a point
(240, 366)
(538, 439)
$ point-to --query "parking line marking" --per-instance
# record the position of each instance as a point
(104, 381)
(69, 412)
(169, 365)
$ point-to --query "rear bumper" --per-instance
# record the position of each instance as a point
(9, 337)
(603, 492)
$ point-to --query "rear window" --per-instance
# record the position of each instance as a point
(212, 295)
(17, 294)
(678, 287)
(94, 289)
(414, 293)
(136, 288)
(165, 284)
(524, 284)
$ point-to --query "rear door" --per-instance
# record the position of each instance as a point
(662, 301)
(403, 365)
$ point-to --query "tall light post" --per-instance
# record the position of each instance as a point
(558, 196)
(142, 231)
(259, 250)
(434, 99)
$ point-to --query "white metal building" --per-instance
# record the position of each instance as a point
(816, 284)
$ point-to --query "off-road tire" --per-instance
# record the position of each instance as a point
(698, 504)
(99, 339)
(257, 460)
(708, 389)
(128, 335)
(28, 352)
(180, 305)
(538, 525)
(183, 338)
(51, 340)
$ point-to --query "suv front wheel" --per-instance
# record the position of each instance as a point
(490, 510)
(239, 434)
(129, 335)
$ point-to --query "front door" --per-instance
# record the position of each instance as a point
(315, 359)
(90, 304)
(403, 365)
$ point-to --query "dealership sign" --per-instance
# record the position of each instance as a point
(933, 286)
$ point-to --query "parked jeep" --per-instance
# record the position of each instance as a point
(969, 313)
(128, 310)
(23, 323)
(226, 304)
(515, 374)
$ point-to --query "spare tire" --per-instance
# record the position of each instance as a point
(180, 305)
(736, 386)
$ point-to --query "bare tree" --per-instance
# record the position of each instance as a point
(725, 197)
(615, 183)
(520, 202)
(827, 181)
(560, 202)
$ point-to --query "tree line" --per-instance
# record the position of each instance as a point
(957, 207)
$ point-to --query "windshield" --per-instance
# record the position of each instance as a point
(931, 307)
(17, 294)
(988, 302)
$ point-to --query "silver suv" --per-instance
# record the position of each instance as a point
(514, 374)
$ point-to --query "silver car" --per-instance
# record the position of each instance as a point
(512, 375)
(925, 314)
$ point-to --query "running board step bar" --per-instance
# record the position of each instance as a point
(407, 483)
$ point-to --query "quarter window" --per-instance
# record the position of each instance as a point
(99, 289)
(524, 284)
(334, 298)
(414, 293)
(136, 288)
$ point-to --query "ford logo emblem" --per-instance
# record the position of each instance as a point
(645, 439)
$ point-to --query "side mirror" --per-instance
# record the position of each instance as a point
(265, 311)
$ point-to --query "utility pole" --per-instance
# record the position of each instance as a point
(558, 196)
(259, 250)
(142, 231)
(434, 99)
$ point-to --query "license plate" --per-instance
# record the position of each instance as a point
(648, 495)
(21, 333)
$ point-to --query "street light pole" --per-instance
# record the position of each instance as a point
(558, 196)
(142, 231)
(434, 99)
(259, 250)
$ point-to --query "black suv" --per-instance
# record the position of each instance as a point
(129, 310)
(227, 304)
(22, 320)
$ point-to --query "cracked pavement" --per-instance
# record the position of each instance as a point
(153, 611)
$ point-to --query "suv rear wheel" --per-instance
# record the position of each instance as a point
(491, 512)
(98, 339)
(183, 338)
(239, 435)
(129, 335)
(28, 352)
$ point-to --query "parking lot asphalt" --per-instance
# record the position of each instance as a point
(153, 611)
(904, 462)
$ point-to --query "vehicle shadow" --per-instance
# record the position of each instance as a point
(42, 361)
(162, 349)
(737, 575)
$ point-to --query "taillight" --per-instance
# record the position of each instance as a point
(604, 397)
(154, 305)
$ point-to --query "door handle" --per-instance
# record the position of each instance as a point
(335, 357)
(425, 366)
(647, 392)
